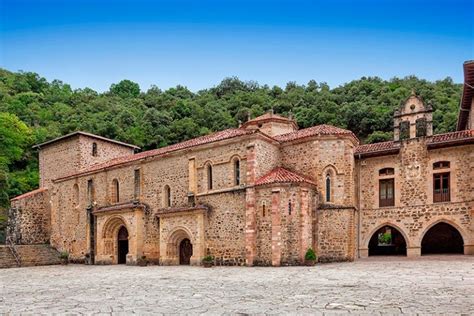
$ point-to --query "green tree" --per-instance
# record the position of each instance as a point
(125, 89)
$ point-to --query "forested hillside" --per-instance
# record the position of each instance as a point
(33, 110)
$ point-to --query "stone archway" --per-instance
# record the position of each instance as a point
(179, 247)
(442, 238)
(115, 237)
(387, 240)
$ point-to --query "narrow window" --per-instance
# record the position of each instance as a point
(167, 196)
(328, 187)
(421, 127)
(237, 171)
(137, 183)
(441, 187)
(76, 194)
(115, 191)
(209, 177)
(386, 192)
(289, 207)
(90, 191)
(94, 149)
(263, 209)
(405, 130)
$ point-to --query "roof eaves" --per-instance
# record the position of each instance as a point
(76, 133)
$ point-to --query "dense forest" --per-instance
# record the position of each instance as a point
(33, 110)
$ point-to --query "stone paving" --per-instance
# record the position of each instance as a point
(429, 285)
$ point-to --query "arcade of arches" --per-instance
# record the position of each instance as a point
(441, 238)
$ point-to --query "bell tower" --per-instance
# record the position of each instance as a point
(413, 119)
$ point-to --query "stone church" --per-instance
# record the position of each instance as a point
(260, 194)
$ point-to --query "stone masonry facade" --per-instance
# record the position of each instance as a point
(260, 194)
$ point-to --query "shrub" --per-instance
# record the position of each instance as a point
(310, 255)
(208, 259)
(64, 255)
(385, 238)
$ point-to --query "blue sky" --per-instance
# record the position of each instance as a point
(198, 43)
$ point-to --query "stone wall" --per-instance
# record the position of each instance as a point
(224, 229)
(283, 223)
(73, 154)
(64, 153)
(29, 219)
(267, 157)
(316, 157)
(105, 151)
(225, 200)
(335, 234)
(414, 210)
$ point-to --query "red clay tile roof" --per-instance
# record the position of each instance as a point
(214, 137)
(462, 137)
(376, 147)
(282, 175)
(465, 135)
(28, 194)
(467, 95)
(315, 131)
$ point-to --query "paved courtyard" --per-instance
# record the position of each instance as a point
(430, 285)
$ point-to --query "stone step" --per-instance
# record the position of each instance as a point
(37, 255)
(6, 258)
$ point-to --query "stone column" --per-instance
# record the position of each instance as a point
(276, 228)
(250, 216)
(136, 236)
(199, 242)
(305, 224)
(192, 176)
(250, 227)
(413, 252)
(469, 249)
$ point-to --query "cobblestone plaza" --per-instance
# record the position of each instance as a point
(427, 285)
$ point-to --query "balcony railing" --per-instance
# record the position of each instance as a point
(441, 195)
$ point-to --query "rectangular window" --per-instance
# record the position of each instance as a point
(386, 192)
(137, 184)
(441, 190)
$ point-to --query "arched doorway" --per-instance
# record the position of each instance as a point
(122, 245)
(185, 251)
(442, 238)
(387, 241)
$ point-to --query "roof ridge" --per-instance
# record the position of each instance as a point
(193, 142)
(321, 129)
(283, 175)
(85, 134)
(29, 193)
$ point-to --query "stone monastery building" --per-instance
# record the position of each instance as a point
(260, 194)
